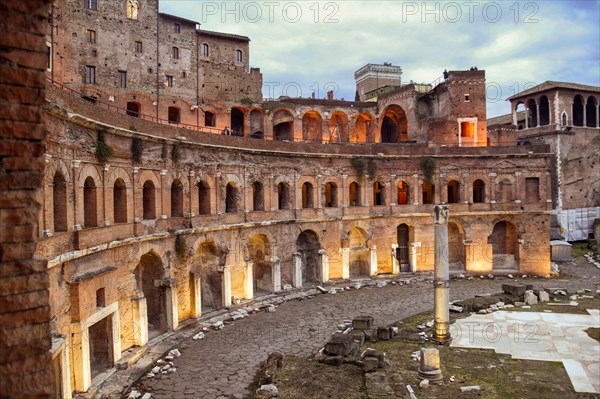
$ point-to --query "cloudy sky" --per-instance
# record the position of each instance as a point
(306, 46)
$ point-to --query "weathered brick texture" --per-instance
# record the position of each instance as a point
(25, 370)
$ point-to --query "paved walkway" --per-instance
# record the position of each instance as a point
(224, 363)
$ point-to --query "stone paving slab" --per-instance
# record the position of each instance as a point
(538, 336)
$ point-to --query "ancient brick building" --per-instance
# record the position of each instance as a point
(150, 218)
(25, 343)
(565, 116)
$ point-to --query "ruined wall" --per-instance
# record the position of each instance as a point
(25, 339)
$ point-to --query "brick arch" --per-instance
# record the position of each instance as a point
(333, 198)
(89, 170)
(57, 165)
(487, 194)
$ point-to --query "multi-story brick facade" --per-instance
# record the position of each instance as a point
(149, 218)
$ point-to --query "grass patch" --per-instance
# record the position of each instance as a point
(579, 249)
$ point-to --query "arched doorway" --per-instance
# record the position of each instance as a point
(360, 257)
(453, 192)
(308, 247)
(361, 132)
(403, 240)
(149, 200)
(176, 199)
(312, 127)
(307, 196)
(120, 201)
(578, 105)
(456, 248)
(283, 125)
(258, 203)
(149, 274)
(211, 278)
(231, 200)
(338, 127)
(237, 122)
(174, 115)
(505, 246)
(590, 112)
(283, 196)
(90, 212)
(259, 251)
(532, 115)
(394, 126)
(544, 111)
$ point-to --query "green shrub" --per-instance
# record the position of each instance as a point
(137, 149)
(359, 165)
(428, 167)
(103, 151)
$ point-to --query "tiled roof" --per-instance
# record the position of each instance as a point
(548, 85)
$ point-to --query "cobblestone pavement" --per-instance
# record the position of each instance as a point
(224, 363)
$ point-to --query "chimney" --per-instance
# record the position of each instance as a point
(330, 95)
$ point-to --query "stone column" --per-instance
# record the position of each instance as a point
(115, 324)
(105, 195)
(77, 199)
(191, 196)
(297, 270)
(324, 266)
(441, 281)
(412, 255)
(80, 342)
(270, 191)
(172, 311)
(318, 203)
(537, 110)
(226, 286)
(65, 373)
(276, 275)
(345, 263)
(163, 194)
(395, 263)
(249, 280)
(196, 312)
(140, 318)
(393, 191)
(373, 262)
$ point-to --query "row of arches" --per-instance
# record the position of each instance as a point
(331, 197)
(393, 125)
(538, 112)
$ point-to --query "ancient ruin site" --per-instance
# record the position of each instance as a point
(172, 227)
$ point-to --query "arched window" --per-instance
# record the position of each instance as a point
(149, 200)
(544, 111)
(532, 113)
(133, 9)
(403, 193)
(378, 194)
(239, 57)
(478, 191)
(564, 119)
(453, 192)
(230, 198)
(90, 213)
(176, 199)
(120, 201)
(59, 202)
(331, 200)
(590, 112)
(175, 53)
(258, 196)
(354, 194)
(307, 196)
(174, 115)
(203, 198)
(578, 111)
(283, 195)
(205, 50)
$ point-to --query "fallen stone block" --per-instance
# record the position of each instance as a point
(515, 289)
(322, 290)
(530, 298)
(359, 337)
(384, 333)
(543, 296)
(370, 364)
(267, 391)
(424, 384)
(472, 388)
(454, 308)
(362, 323)
(156, 370)
(134, 394)
(198, 336)
(147, 395)
(340, 344)
(333, 360)
(218, 325)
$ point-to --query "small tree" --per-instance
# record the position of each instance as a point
(103, 151)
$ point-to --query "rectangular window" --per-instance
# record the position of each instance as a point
(49, 61)
(467, 98)
(122, 78)
(467, 129)
(90, 4)
(532, 190)
(100, 298)
(176, 28)
(90, 74)
(91, 36)
(176, 53)
(94, 53)
(138, 47)
(169, 81)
